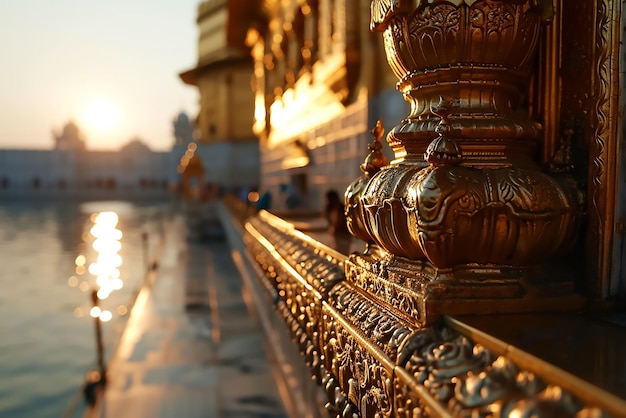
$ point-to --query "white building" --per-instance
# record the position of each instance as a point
(72, 170)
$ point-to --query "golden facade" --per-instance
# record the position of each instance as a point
(226, 144)
(502, 197)
(320, 79)
(222, 74)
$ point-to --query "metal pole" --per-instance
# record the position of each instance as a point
(146, 263)
(99, 345)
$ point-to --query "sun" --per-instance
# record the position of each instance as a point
(101, 115)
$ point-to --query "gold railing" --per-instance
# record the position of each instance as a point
(372, 359)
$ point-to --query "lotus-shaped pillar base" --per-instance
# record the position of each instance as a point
(448, 239)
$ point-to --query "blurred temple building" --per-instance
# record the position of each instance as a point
(224, 141)
(319, 82)
(71, 170)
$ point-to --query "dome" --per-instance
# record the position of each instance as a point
(70, 138)
(135, 145)
(182, 118)
(70, 130)
(183, 129)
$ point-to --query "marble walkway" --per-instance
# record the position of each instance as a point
(191, 349)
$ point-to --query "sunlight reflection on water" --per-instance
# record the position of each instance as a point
(47, 342)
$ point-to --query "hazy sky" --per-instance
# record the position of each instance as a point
(64, 60)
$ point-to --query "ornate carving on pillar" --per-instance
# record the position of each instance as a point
(606, 103)
(464, 207)
(372, 165)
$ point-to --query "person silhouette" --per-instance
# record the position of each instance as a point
(335, 213)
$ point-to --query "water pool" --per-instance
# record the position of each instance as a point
(47, 341)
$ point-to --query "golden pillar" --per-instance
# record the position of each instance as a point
(464, 212)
